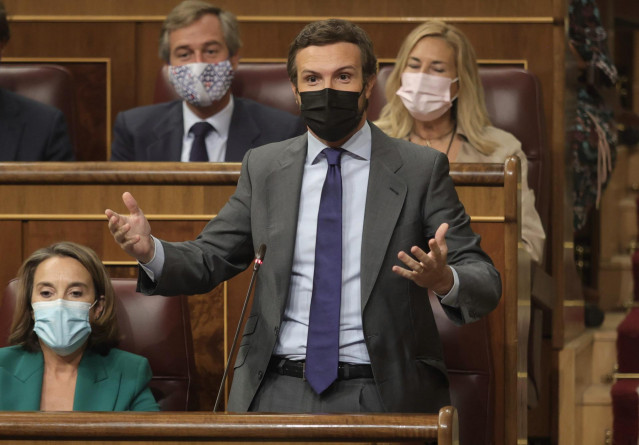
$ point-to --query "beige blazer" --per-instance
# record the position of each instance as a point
(506, 145)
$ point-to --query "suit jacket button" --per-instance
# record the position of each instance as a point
(260, 374)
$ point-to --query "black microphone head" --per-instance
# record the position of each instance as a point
(261, 252)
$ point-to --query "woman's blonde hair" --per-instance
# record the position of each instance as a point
(104, 330)
(469, 109)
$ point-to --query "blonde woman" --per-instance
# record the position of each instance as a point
(435, 98)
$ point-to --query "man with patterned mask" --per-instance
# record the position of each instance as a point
(200, 43)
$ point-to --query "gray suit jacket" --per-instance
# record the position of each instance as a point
(155, 132)
(31, 131)
(409, 195)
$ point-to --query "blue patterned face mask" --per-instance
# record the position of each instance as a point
(201, 84)
(62, 325)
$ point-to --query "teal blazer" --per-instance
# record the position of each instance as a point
(115, 382)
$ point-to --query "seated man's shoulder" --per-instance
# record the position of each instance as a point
(24, 104)
(150, 112)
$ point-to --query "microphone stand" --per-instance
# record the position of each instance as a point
(259, 258)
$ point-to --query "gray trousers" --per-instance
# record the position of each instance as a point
(285, 394)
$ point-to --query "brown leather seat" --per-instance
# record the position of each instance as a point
(155, 327)
(266, 83)
(49, 84)
(467, 355)
(514, 103)
(625, 391)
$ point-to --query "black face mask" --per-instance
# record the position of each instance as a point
(331, 114)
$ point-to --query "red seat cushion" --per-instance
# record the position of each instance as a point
(625, 410)
(628, 343)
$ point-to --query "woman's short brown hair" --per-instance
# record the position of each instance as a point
(104, 329)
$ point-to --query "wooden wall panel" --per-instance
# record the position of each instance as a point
(326, 8)
(148, 63)
(92, 123)
(12, 252)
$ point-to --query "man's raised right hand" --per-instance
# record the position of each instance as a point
(132, 232)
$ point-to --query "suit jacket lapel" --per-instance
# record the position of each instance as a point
(243, 131)
(384, 202)
(169, 132)
(11, 128)
(26, 386)
(97, 387)
(283, 188)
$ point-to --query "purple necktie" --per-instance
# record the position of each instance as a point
(322, 350)
(198, 149)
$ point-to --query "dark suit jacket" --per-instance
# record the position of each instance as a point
(115, 382)
(155, 132)
(409, 195)
(32, 131)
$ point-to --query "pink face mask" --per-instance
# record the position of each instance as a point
(425, 96)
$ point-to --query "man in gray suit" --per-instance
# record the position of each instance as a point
(200, 44)
(404, 232)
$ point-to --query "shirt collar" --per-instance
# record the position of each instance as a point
(359, 145)
(221, 120)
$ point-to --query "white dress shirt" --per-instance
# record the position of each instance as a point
(355, 166)
(215, 140)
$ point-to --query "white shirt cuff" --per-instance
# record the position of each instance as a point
(154, 267)
(450, 299)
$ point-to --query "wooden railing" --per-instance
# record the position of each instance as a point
(197, 428)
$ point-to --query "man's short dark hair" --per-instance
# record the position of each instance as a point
(327, 32)
(4, 25)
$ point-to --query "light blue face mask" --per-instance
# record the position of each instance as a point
(62, 325)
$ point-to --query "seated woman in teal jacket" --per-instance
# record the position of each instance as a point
(63, 335)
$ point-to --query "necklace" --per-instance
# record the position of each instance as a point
(452, 133)
(452, 136)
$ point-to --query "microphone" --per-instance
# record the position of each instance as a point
(259, 259)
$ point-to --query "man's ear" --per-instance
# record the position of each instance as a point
(296, 93)
(369, 86)
(99, 307)
(235, 60)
